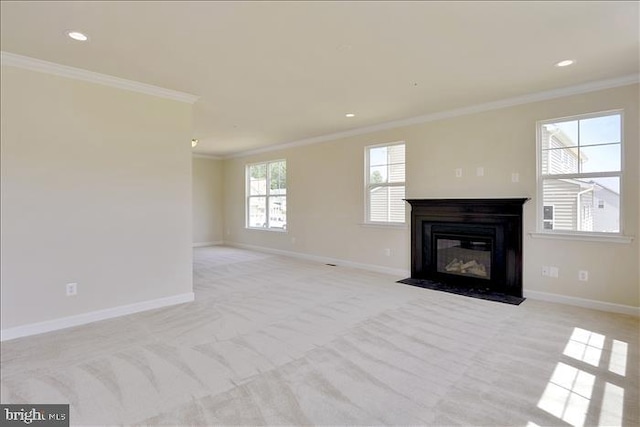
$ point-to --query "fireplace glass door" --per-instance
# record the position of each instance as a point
(464, 256)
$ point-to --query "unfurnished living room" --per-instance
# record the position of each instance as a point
(320, 213)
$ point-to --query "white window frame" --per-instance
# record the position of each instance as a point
(368, 184)
(267, 196)
(591, 235)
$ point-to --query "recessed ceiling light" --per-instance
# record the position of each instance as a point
(194, 142)
(565, 63)
(349, 115)
(76, 35)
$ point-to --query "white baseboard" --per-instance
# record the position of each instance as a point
(582, 302)
(203, 244)
(543, 296)
(401, 273)
(93, 316)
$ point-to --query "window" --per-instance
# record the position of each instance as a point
(384, 181)
(267, 195)
(580, 170)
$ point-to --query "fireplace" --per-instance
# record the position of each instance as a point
(464, 256)
(467, 245)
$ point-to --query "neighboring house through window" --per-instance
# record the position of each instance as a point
(580, 172)
(385, 183)
(266, 190)
(547, 217)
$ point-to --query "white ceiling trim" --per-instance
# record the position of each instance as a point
(33, 64)
(206, 156)
(495, 105)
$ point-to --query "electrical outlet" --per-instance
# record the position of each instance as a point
(459, 173)
(554, 272)
(583, 275)
(480, 171)
(545, 270)
(387, 251)
(72, 289)
(515, 177)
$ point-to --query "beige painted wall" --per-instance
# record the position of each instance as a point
(326, 193)
(96, 189)
(207, 200)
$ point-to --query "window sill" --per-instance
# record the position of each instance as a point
(396, 225)
(273, 230)
(586, 237)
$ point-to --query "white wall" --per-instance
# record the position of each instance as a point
(207, 200)
(96, 189)
(326, 193)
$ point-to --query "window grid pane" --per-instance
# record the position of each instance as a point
(278, 178)
(600, 130)
(278, 212)
(257, 211)
(600, 158)
(257, 180)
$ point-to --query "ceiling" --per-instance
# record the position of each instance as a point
(271, 73)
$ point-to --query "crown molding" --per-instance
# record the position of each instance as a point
(489, 106)
(33, 64)
(206, 156)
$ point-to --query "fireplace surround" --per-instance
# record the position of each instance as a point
(468, 244)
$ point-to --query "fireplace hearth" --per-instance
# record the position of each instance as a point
(468, 246)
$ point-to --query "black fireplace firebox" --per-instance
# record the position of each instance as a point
(467, 244)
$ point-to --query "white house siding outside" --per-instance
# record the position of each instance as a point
(606, 213)
(385, 204)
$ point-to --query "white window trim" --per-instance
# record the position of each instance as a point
(247, 196)
(540, 232)
(399, 225)
(584, 236)
(367, 203)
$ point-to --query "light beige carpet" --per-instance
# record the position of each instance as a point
(277, 341)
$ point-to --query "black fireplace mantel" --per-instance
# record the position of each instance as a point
(499, 220)
(473, 207)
